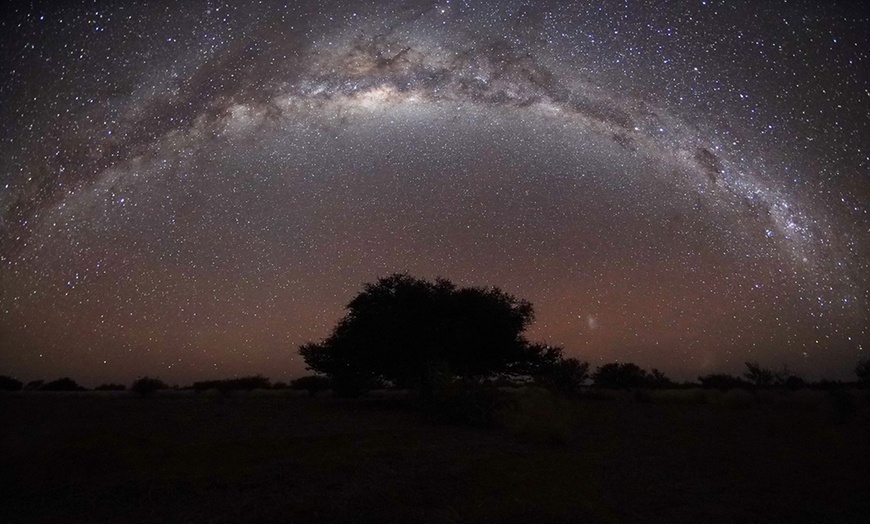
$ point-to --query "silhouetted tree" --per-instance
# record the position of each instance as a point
(722, 381)
(62, 384)
(535, 360)
(787, 378)
(110, 387)
(311, 383)
(657, 379)
(147, 385)
(10, 384)
(409, 331)
(758, 376)
(34, 385)
(562, 375)
(620, 376)
(863, 372)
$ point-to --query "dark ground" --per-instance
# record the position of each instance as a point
(270, 458)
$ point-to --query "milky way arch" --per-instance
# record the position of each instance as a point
(202, 193)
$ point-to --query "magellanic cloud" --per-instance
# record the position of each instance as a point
(204, 189)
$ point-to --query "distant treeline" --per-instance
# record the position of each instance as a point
(146, 385)
(615, 375)
(408, 333)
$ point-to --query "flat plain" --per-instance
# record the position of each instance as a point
(686, 456)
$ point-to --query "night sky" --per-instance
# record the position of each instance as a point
(190, 190)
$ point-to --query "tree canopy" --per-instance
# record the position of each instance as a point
(404, 329)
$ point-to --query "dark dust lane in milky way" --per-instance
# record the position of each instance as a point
(192, 190)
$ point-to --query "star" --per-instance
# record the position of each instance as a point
(202, 191)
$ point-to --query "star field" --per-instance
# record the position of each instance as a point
(191, 191)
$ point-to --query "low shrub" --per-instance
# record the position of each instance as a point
(10, 384)
(62, 384)
(110, 387)
(313, 384)
(794, 383)
(565, 376)
(145, 386)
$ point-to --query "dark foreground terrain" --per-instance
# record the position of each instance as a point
(268, 457)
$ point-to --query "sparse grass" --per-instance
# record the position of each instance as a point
(538, 415)
(267, 456)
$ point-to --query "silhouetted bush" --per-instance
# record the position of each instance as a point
(147, 385)
(34, 385)
(280, 385)
(757, 375)
(110, 387)
(629, 376)
(722, 381)
(205, 385)
(657, 379)
(794, 382)
(313, 384)
(565, 376)
(62, 384)
(619, 376)
(406, 331)
(10, 384)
